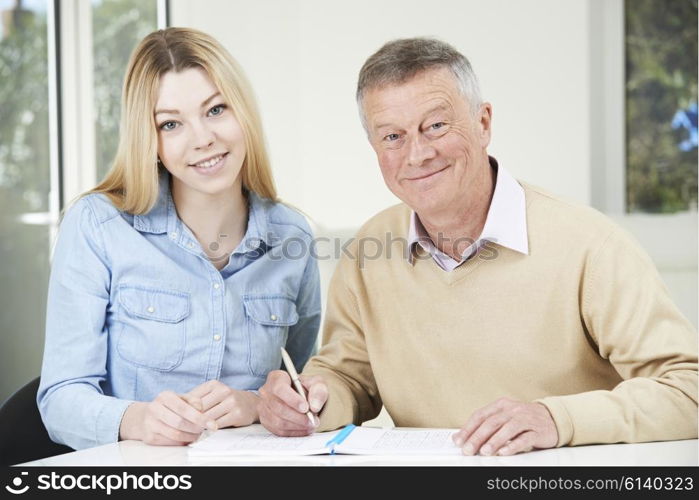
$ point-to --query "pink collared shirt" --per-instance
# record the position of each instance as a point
(505, 224)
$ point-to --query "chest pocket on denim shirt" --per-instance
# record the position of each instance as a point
(152, 331)
(268, 318)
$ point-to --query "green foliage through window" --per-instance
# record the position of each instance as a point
(24, 190)
(117, 26)
(661, 100)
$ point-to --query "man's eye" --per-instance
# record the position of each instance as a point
(437, 126)
(168, 126)
(217, 110)
(391, 137)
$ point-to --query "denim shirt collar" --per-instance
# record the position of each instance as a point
(162, 218)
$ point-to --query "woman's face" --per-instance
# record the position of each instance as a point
(200, 142)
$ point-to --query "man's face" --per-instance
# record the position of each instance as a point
(428, 141)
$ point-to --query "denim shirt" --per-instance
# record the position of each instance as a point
(135, 307)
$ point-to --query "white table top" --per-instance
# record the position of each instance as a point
(127, 453)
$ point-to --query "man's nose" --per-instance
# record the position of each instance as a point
(203, 136)
(420, 150)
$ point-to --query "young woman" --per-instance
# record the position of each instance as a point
(176, 281)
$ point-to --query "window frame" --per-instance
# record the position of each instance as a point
(76, 117)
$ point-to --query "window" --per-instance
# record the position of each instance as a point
(661, 105)
(117, 26)
(25, 188)
(46, 157)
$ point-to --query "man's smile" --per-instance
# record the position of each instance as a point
(430, 175)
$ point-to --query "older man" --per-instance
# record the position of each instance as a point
(522, 319)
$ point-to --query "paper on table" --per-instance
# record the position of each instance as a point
(371, 441)
(255, 440)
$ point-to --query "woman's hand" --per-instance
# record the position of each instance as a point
(170, 419)
(225, 407)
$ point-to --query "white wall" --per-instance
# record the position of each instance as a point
(303, 57)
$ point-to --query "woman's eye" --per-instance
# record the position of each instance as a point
(168, 126)
(217, 110)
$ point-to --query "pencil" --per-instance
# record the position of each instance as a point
(297, 383)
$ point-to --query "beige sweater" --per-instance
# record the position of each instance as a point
(582, 324)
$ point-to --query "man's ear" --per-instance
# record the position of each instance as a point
(485, 120)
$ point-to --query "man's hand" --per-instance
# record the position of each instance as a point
(507, 427)
(283, 410)
(223, 406)
(169, 419)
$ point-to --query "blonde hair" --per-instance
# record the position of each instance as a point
(132, 181)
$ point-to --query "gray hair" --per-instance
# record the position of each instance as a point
(400, 60)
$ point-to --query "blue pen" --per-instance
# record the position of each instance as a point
(340, 437)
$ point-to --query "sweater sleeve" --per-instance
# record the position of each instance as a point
(343, 361)
(628, 312)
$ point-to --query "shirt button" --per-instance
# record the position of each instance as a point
(216, 286)
(273, 317)
(173, 235)
(151, 309)
(217, 337)
(190, 244)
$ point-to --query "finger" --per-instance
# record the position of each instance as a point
(478, 437)
(522, 443)
(283, 391)
(203, 389)
(229, 419)
(193, 401)
(317, 392)
(219, 410)
(218, 394)
(511, 429)
(475, 420)
(233, 416)
(280, 406)
(279, 425)
(176, 404)
(175, 434)
(280, 428)
(226, 413)
(172, 419)
(473, 423)
(295, 418)
(239, 408)
(274, 377)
